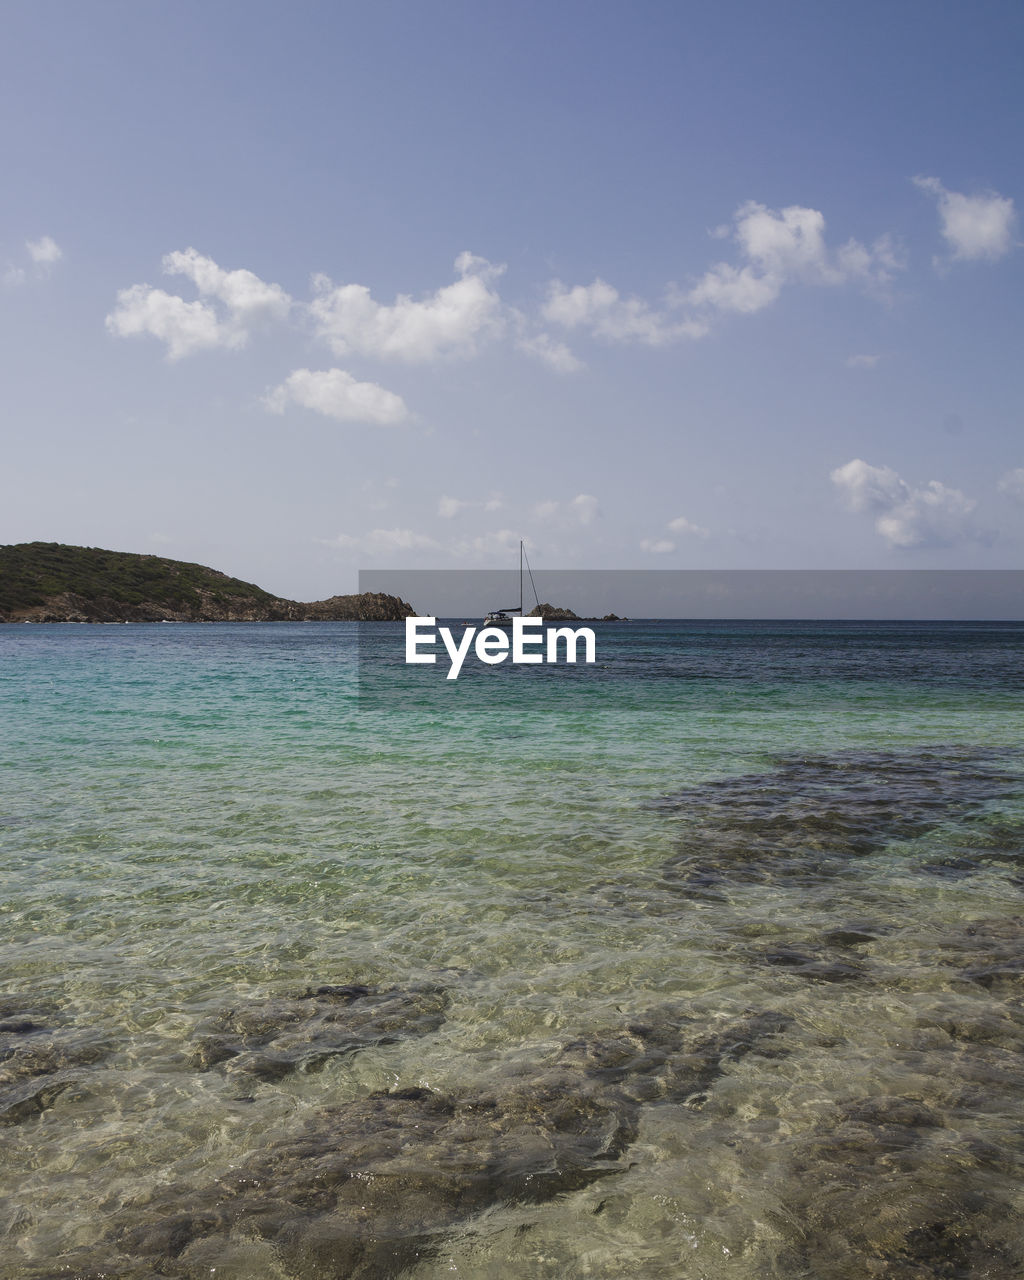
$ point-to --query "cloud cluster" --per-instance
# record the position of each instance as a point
(931, 516)
(975, 227)
(773, 249)
(785, 246)
(561, 517)
(776, 247)
(229, 306)
(382, 542)
(494, 546)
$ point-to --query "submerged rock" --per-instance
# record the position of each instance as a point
(273, 1038)
(38, 1061)
(887, 1190)
(815, 964)
(988, 952)
(801, 820)
(367, 1189)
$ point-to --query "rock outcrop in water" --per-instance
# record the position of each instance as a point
(553, 613)
(365, 1190)
(39, 1058)
(271, 1039)
(51, 582)
(876, 1200)
(801, 821)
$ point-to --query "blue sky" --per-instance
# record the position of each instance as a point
(294, 290)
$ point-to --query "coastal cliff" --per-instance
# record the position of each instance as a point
(51, 582)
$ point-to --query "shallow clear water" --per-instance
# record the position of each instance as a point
(823, 823)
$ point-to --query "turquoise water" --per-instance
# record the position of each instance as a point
(817, 824)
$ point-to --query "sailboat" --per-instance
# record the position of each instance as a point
(503, 617)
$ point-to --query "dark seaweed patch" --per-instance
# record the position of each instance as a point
(885, 1189)
(39, 1060)
(987, 952)
(806, 817)
(272, 1038)
(366, 1189)
(812, 963)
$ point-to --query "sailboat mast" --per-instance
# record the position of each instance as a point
(520, 575)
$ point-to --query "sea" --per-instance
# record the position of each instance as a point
(704, 961)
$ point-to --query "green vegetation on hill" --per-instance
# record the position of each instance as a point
(31, 573)
(51, 582)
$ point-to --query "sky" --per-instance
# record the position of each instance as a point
(295, 290)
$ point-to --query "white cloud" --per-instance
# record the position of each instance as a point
(582, 509)
(336, 394)
(448, 322)
(381, 542)
(448, 508)
(778, 247)
(244, 294)
(600, 308)
(868, 488)
(44, 252)
(556, 355)
(1012, 484)
(727, 288)
(681, 525)
(185, 327)
(979, 226)
(931, 516)
(862, 362)
(499, 545)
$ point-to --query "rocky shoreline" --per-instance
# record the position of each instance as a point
(54, 582)
(68, 606)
